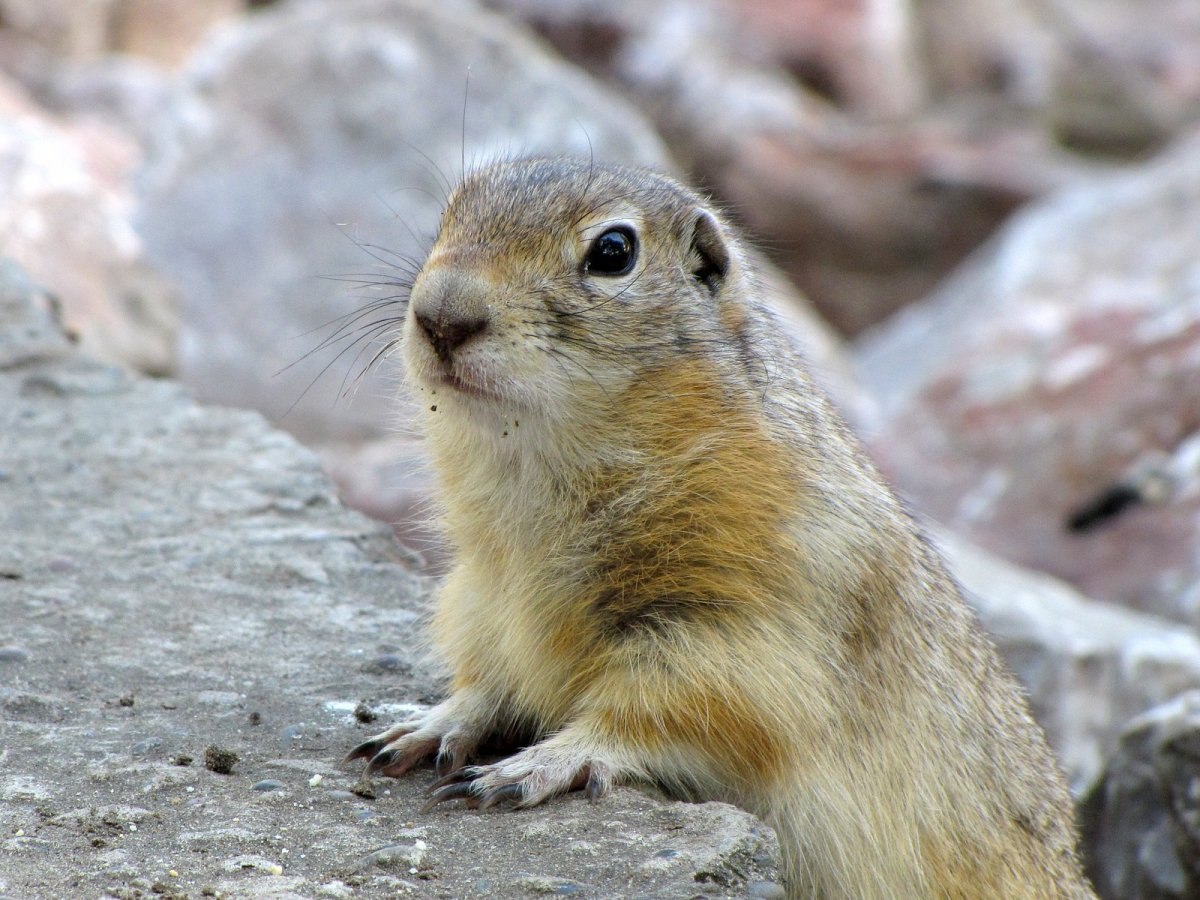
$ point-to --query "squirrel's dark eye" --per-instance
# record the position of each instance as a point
(613, 253)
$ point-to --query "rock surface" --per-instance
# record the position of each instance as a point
(1141, 822)
(176, 579)
(1063, 361)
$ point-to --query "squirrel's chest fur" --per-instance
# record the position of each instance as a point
(686, 520)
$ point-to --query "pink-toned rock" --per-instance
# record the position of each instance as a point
(863, 214)
(864, 53)
(66, 220)
(1044, 402)
(76, 29)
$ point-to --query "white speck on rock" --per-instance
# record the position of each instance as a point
(1074, 366)
(978, 503)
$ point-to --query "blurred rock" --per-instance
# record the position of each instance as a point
(162, 30)
(390, 480)
(987, 48)
(1088, 666)
(1141, 821)
(1062, 358)
(69, 28)
(862, 55)
(167, 31)
(116, 92)
(863, 214)
(120, 92)
(66, 219)
(1113, 77)
(33, 328)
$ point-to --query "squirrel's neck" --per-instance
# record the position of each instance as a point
(678, 448)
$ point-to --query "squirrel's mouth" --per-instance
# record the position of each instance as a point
(463, 384)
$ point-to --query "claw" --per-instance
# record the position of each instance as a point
(395, 763)
(594, 787)
(380, 760)
(365, 750)
(496, 795)
(461, 790)
(458, 776)
(446, 764)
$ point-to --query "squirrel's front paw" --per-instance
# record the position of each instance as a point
(524, 779)
(451, 730)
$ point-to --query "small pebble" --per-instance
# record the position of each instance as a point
(146, 746)
(13, 654)
(289, 736)
(364, 713)
(364, 788)
(388, 663)
(539, 884)
(268, 784)
(219, 760)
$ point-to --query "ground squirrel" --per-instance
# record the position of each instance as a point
(673, 563)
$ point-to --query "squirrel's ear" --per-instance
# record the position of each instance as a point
(710, 253)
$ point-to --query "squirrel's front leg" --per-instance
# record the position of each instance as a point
(651, 715)
(453, 731)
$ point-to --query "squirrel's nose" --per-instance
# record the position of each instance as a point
(447, 332)
(449, 306)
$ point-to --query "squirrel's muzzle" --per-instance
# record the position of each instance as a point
(450, 308)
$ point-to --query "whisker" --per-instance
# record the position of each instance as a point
(346, 331)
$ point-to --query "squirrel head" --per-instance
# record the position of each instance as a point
(553, 285)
